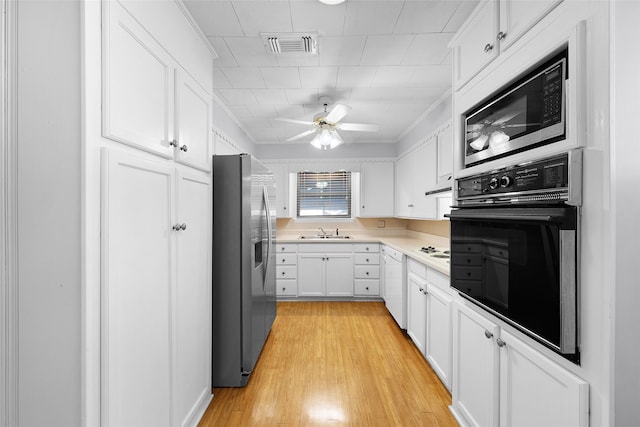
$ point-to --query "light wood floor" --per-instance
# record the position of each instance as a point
(339, 363)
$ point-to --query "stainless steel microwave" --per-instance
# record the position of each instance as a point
(527, 113)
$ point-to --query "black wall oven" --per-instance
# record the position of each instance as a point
(514, 247)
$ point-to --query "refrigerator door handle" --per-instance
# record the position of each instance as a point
(265, 195)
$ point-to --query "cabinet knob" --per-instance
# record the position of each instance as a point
(367, 248)
(488, 334)
(367, 288)
(184, 148)
(367, 260)
(284, 289)
(500, 343)
(283, 273)
(283, 260)
(367, 273)
(409, 206)
(362, 206)
(285, 208)
(173, 143)
(179, 227)
(501, 35)
(488, 48)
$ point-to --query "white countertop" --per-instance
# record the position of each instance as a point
(409, 245)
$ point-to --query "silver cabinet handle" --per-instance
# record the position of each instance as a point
(488, 47)
(488, 334)
(500, 343)
(179, 227)
(173, 143)
(501, 35)
(184, 148)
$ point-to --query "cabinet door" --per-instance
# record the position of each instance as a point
(339, 274)
(137, 85)
(193, 131)
(518, 16)
(438, 345)
(417, 311)
(404, 186)
(311, 275)
(475, 367)
(281, 173)
(424, 179)
(476, 45)
(445, 154)
(376, 189)
(137, 287)
(534, 391)
(192, 319)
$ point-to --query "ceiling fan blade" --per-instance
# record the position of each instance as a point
(300, 122)
(361, 127)
(301, 135)
(337, 113)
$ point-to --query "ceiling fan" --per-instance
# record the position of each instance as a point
(325, 126)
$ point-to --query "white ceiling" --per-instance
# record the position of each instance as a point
(387, 59)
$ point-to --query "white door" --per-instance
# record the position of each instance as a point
(438, 345)
(339, 274)
(311, 275)
(281, 173)
(193, 130)
(424, 179)
(137, 288)
(445, 154)
(475, 367)
(404, 186)
(137, 85)
(416, 310)
(376, 189)
(518, 16)
(192, 319)
(534, 391)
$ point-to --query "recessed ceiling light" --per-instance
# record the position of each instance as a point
(331, 1)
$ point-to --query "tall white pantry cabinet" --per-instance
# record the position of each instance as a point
(155, 217)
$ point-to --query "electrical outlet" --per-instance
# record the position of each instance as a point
(381, 223)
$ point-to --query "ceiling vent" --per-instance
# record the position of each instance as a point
(285, 43)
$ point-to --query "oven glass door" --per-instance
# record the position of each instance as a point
(520, 264)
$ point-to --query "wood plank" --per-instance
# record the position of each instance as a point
(335, 363)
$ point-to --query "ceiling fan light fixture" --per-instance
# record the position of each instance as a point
(326, 140)
(331, 1)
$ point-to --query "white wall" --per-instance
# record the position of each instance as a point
(625, 153)
(297, 150)
(49, 212)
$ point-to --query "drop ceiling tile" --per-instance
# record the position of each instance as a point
(461, 14)
(341, 50)
(240, 111)
(215, 18)
(244, 77)
(371, 17)
(263, 17)
(393, 76)
(263, 111)
(427, 49)
(318, 77)
(385, 50)
(220, 80)
(432, 76)
(236, 97)
(225, 57)
(250, 51)
(353, 77)
(424, 16)
(318, 17)
(289, 111)
(281, 77)
(302, 96)
(297, 60)
(270, 96)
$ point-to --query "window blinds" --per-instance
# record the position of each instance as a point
(324, 194)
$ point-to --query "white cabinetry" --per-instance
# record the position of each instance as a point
(325, 270)
(376, 189)
(149, 101)
(501, 381)
(286, 270)
(155, 290)
(416, 174)
(366, 269)
(281, 173)
(492, 28)
(417, 309)
(445, 153)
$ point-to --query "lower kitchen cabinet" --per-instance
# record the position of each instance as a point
(325, 274)
(439, 330)
(499, 380)
(417, 310)
(155, 286)
(286, 270)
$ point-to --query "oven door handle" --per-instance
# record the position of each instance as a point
(546, 215)
(568, 292)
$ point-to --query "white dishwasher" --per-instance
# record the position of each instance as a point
(395, 289)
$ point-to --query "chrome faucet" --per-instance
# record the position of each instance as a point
(324, 233)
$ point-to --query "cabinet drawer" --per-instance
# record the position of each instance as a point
(286, 247)
(367, 271)
(417, 268)
(287, 287)
(322, 248)
(286, 258)
(467, 273)
(366, 247)
(436, 278)
(366, 259)
(366, 287)
(286, 272)
(466, 259)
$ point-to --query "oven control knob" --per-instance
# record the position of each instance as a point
(493, 183)
(505, 181)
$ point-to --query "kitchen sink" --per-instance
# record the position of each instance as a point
(327, 237)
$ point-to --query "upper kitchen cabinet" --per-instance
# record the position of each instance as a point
(376, 189)
(149, 101)
(492, 28)
(445, 153)
(281, 173)
(416, 174)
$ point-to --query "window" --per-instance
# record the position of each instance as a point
(324, 195)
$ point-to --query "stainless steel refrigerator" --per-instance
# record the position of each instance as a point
(243, 279)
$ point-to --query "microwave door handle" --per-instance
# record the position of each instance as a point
(568, 291)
